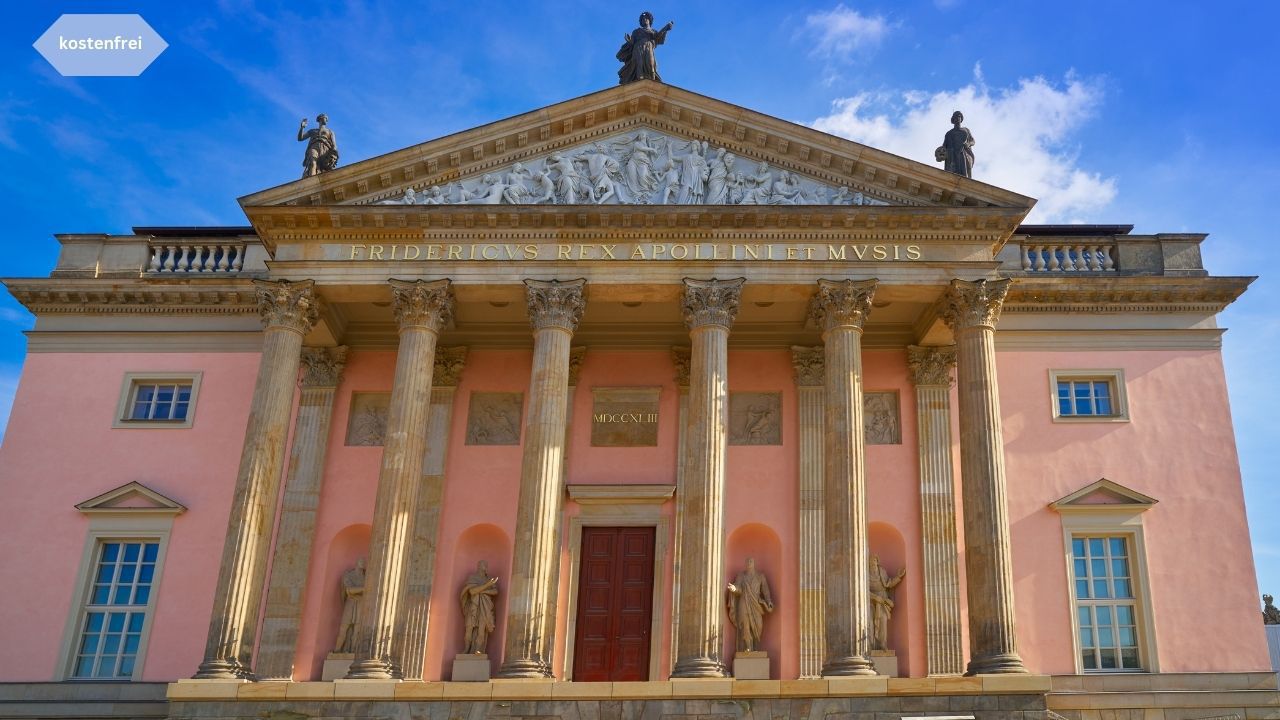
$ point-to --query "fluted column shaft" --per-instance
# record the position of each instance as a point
(810, 375)
(288, 311)
(322, 369)
(972, 309)
(709, 310)
(422, 310)
(554, 311)
(841, 308)
(931, 373)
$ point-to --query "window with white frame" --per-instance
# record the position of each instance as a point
(1088, 395)
(115, 612)
(1106, 609)
(158, 400)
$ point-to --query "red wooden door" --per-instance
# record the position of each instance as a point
(615, 604)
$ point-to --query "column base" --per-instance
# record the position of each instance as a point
(848, 666)
(373, 669)
(1004, 663)
(699, 667)
(525, 669)
(223, 670)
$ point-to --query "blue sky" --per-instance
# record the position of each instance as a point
(1161, 115)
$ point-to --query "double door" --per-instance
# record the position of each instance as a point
(615, 604)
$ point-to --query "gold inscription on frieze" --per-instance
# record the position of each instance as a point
(601, 252)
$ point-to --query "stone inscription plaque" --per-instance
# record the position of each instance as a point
(624, 417)
(367, 420)
(881, 422)
(493, 418)
(755, 418)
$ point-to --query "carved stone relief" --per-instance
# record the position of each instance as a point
(493, 418)
(881, 421)
(636, 168)
(755, 418)
(367, 421)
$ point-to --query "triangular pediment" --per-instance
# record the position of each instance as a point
(1103, 495)
(637, 140)
(132, 497)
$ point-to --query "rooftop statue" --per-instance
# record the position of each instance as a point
(957, 148)
(322, 147)
(1270, 613)
(636, 54)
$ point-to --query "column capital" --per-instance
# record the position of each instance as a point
(287, 304)
(448, 366)
(842, 303)
(711, 302)
(931, 365)
(974, 303)
(810, 365)
(423, 303)
(322, 366)
(555, 303)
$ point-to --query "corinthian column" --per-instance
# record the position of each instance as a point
(288, 310)
(554, 311)
(971, 309)
(322, 369)
(810, 375)
(931, 373)
(840, 308)
(709, 309)
(422, 310)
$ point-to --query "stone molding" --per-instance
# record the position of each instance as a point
(711, 302)
(809, 364)
(425, 303)
(287, 304)
(842, 303)
(449, 364)
(322, 366)
(975, 303)
(555, 303)
(931, 365)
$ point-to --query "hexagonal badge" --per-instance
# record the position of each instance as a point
(100, 45)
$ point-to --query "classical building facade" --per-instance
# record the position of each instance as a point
(638, 403)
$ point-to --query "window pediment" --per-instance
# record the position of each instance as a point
(131, 498)
(1101, 496)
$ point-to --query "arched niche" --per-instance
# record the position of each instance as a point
(887, 543)
(347, 546)
(489, 543)
(754, 540)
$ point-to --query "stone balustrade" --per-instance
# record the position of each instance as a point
(1068, 257)
(196, 257)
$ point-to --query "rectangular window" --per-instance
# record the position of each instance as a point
(1106, 609)
(1088, 396)
(115, 612)
(157, 400)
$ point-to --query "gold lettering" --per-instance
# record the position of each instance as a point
(471, 254)
(433, 252)
(860, 251)
(608, 252)
(808, 253)
(584, 252)
(375, 252)
(485, 252)
(454, 253)
(684, 252)
(562, 252)
(355, 251)
(793, 252)
(895, 252)
(716, 253)
(835, 252)
(879, 252)
(637, 253)
(416, 251)
(511, 251)
(393, 251)
(753, 251)
(913, 252)
(697, 252)
(530, 252)
(659, 250)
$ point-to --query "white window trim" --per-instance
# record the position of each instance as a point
(1111, 519)
(150, 524)
(131, 379)
(1119, 398)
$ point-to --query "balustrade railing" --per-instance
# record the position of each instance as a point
(196, 257)
(1068, 257)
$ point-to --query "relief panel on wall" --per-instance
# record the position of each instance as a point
(367, 421)
(881, 421)
(755, 418)
(493, 418)
(624, 416)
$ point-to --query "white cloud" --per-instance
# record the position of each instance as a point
(1023, 137)
(841, 31)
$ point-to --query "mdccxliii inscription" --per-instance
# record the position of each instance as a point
(624, 417)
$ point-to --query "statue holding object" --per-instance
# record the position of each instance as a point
(639, 62)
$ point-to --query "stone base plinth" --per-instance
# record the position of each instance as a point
(471, 668)
(336, 666)
(751, 665)
(884, 661)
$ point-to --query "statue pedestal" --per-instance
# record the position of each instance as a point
(336, 666)
(884, 661)
(471, 668)
(751, 665)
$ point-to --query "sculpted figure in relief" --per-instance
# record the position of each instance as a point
(352, 595)
(322, 147)
(747, 602)
(882, 602)
(602, 169)
(718, 178)
(637, 56)
(477, 609)
(638, 160)
(693, 175)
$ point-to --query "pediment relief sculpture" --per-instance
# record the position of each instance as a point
(642, 167)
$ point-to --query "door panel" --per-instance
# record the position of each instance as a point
(615, 604)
